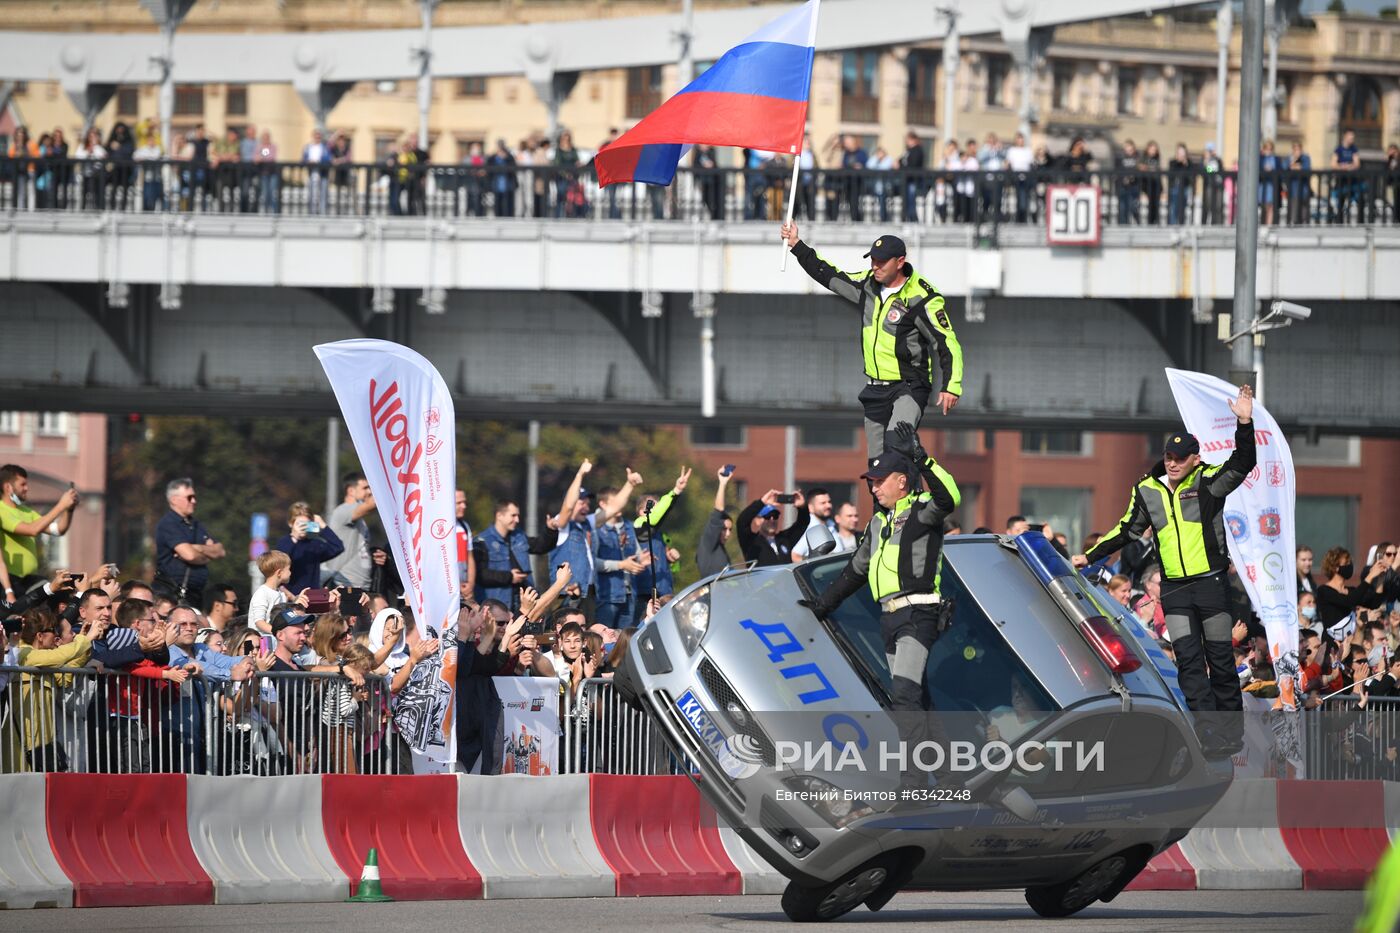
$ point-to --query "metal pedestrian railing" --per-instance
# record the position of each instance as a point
(1344, 740)
(601, 734)
(113, 722)
(931, 197)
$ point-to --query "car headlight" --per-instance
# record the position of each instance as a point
(827, 800)
(692, 615)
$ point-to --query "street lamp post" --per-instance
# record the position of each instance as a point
(1281, 314)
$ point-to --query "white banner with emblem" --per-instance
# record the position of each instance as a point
(401, 419)
(529, 725)
(1259, 515)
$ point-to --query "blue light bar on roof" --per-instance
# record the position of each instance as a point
(1041, 557)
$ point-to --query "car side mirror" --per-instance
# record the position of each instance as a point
(819, 540)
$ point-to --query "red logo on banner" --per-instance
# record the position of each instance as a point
(440, 529)
(1252, 572)
(391, 427)
(1270, 525)
(1252, 478)
(1277, 474)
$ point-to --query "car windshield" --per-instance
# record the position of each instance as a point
(970, 667)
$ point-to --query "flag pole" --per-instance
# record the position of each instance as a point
(796, 155)
(791, 202)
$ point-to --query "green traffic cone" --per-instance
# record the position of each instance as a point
(369, 891)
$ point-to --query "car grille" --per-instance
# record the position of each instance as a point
(684, 743)
(723, 694)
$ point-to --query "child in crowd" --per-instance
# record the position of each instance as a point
(276, 568)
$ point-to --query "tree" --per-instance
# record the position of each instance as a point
(245, 465)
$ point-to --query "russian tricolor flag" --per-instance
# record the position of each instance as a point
(755, 96)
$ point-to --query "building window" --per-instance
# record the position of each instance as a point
(1351, 41)
(189, 100)
(52, 424)
(1286, 85)
(643, 91)
(21, 87)
(998, 68)
(236, 100)
(1064, 510)
(1329, 450)
(384, 145)
(718, 435)
(1325, 522)
(474, 86)
(969, 511)
(1071, 443)
(1361, 112)
(859, 95)
(9, 422)
(127, 100)
(965, 441)
(1128, 80)
(839, 489)
(923, 78)
(1191, 86)
(1062, 87)
(830, 437)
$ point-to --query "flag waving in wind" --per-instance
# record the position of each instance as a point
(755, 97)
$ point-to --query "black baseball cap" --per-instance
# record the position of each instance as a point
(891, 461)
(287, 617)
(1181, 445)
(886, 248)
(584, 493)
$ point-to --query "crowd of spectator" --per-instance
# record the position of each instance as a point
(324, 669)
(991, 180)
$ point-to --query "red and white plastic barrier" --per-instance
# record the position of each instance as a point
(134, 840)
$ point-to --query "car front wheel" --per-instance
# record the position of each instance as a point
(829, 901)
(1070, 897)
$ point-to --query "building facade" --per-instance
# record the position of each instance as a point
(1077, 481)
(1144, 77)
(58, 448)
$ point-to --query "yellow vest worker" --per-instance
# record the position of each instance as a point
(903, 325)
(1183, 501)
(901, 559)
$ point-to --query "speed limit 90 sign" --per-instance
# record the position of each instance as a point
(1072, 215)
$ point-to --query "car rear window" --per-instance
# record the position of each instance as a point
(970, 667)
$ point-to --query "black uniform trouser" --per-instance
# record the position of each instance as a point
(1198, 621)
(888, 405)
(908, 635)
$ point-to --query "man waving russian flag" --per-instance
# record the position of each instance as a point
(755, 96)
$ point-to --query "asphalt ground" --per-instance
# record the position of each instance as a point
(1002, 911)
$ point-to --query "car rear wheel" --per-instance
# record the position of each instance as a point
(829, 901)
(1070, 897)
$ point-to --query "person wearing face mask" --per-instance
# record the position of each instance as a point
(1336, 601)
(1183, 501)
(1307, 611)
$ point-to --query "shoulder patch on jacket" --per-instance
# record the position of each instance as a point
(941, 316)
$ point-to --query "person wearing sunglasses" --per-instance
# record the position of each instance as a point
(184, 547)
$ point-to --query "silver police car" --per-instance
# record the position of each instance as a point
(1078, 760)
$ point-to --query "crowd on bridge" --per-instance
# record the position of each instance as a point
(992, 180)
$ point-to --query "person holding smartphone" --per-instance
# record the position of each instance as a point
(712, 556)
(309, 543)
(760, 538)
